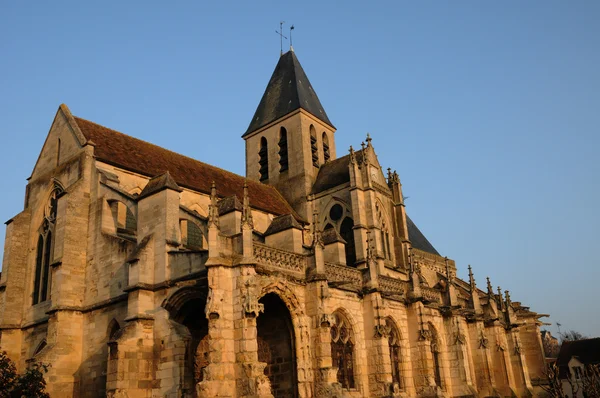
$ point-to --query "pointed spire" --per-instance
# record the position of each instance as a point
(447, 268)
(213, 209)
(508, 300)
(288, 90)
(365, 156)
(352, 155)
(490, 289)
(246, 209)
(500, 299)
(471, 278)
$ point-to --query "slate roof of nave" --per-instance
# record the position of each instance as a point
(336, 172)
(288, 90)
(150, 160)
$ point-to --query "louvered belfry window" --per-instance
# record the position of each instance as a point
(283, 150)
(326, 151)
(263, 160)
(314, 150)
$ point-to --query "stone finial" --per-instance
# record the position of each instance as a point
(500, 298)
(246, 210)
(471, 278)
(365, 156)
(369, 140)
(490, 289)
(390, 176)
(396, 177)
(213, 209)
(508, 301)
(447, 268)
(352, 155)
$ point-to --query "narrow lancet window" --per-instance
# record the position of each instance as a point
(314, 150)
(342, 351)
(326, 151)
(263, 160)
(43, 278)
(283, 150)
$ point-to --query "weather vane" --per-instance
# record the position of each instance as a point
(281, 36)
(291, 28)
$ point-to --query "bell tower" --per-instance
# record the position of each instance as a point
(290, 135)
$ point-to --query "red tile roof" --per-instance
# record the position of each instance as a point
(150, 160)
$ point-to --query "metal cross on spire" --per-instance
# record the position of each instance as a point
(281, 36)
(291, 28)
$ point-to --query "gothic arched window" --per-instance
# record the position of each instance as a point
(347, 233)
(326, 151)
(283, 150)
(42, 281)
(314, 150)
(395, 354)
(342, 350)
(263, 159)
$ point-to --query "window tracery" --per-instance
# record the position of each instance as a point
(342, 350)
(42, 279)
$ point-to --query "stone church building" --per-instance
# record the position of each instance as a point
(139, 272)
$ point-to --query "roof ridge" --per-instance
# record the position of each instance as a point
(176, 153)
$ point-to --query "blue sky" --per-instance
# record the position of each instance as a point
(490, 111)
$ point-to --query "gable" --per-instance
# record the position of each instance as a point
(64, 140)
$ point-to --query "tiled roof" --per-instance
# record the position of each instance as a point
(150, 160)
(587, 352)
(287, 91)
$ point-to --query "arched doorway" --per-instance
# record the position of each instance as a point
(275, 336)
(191, 315)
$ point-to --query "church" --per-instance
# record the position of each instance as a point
(139, 272)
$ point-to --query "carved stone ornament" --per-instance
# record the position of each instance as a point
(517, 348)
(500, 346)
(483, 341)
(252, 308)
(325, 320)
(460, 338)
(382, 331)
(424, 335)
(213, 304)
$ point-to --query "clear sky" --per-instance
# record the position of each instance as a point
(490, 111)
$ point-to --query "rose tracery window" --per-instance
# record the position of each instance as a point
(342, 351)
(42, 280)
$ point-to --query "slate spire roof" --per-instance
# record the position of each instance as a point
(287, 91)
